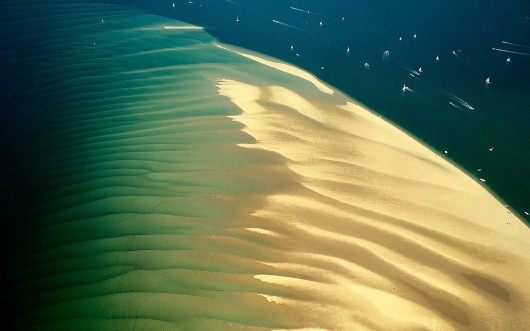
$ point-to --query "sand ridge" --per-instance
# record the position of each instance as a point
(284, 67)
(183, 27)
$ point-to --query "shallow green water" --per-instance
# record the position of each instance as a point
(131, 179)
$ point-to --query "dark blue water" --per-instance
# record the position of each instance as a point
(438, 109)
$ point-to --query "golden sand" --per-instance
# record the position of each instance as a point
(382, 233)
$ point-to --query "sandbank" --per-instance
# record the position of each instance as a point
(150, 209)
(383, 233)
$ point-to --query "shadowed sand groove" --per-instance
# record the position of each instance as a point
(174, 183)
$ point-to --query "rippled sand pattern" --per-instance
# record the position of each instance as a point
(177, 185)
(384, 233)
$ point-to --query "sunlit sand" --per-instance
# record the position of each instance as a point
(385, 233)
